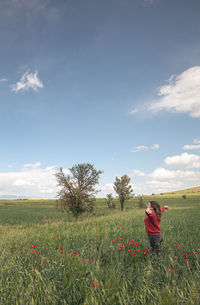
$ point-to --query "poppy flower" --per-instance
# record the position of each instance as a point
(171, 271)
(175, 257)
(33, 246)
(94, 284)
(55, 238)
(37, 267)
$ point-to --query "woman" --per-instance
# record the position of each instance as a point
(152, 224)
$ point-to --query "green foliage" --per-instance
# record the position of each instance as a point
(184, 196)
(110, 201)
(77, 192)
(123, 189)
(141, 204)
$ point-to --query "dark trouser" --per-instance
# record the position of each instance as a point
(155, 243)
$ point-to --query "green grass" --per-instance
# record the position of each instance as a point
(120, 277)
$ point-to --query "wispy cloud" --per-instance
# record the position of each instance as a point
(143, 147)
(2, 80)
(148, 2)
(181, 94)
(133, 111)
(196, 145)
(28, 81)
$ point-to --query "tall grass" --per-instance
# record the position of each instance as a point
(57, 261)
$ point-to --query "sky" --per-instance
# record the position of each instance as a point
(114, 83)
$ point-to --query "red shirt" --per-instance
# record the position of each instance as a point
(152, 223)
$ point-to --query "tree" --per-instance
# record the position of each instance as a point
(141, 204)
(123, 189)
(110, 201)
(77, 192)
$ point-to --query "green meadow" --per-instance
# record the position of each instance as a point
(47, 257)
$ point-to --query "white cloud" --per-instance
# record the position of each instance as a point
(136, 172)
(191, 147)
(143, 147)
(3, 80)
(181, 94)
(133, 111)
(196, 141)
(184, 160)
(32, 165)
(28, 81)
(165, 174)
(31, 181)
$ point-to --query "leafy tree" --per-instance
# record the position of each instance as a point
(77, 192)
(110, 201)
(141, 202)
(123, 189)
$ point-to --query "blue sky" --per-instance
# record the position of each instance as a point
(113, 83)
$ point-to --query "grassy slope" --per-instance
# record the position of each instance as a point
(122, 278)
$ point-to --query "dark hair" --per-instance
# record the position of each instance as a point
(156, 207)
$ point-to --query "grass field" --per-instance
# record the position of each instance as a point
(49, 258)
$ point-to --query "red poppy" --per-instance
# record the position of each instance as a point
(97, 235)
(175, 257)
(112, 239)
(37, 267)
(33, 246)
(171, 271)
(133, 253)
(195, 252)
(94, 284)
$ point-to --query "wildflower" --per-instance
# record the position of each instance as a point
(33, 246)
(145, 252)
(171, 271)
(176, 246)
(82, 259)
(159, 259)
(61, 248)
(175, 257)
(119, 248)
(45, 264)
(138, 250)
(113, 225)
(195, 252)
(97, 235)
(37, 267)
(90, 245)
(87, 260)
(94, 284)
(173, 265)
(133, 253)
(55, 238)
(129, 250)
(112, 239)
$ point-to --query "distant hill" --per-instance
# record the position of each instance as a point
(187, 191)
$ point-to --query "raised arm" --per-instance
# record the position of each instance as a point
(165, 207)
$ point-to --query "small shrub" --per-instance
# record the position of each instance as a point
(110, 201)
(184, 196)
